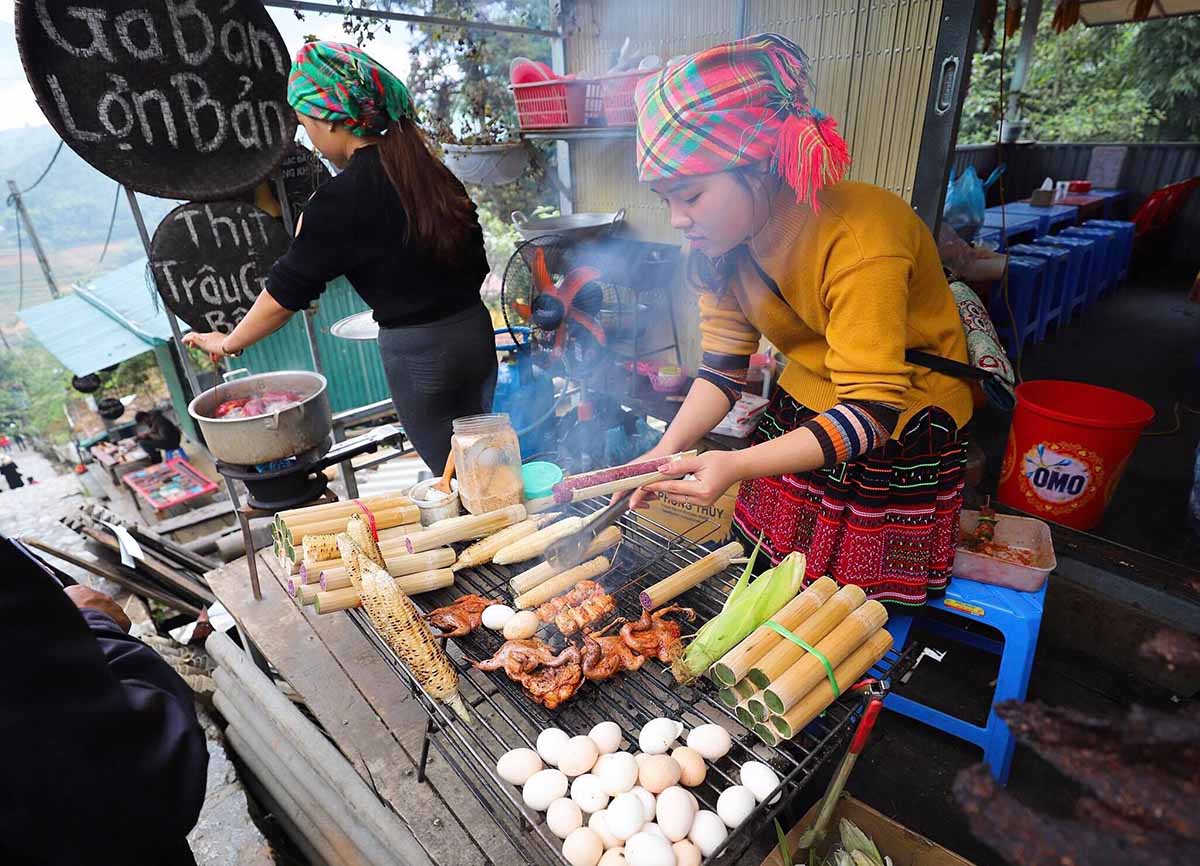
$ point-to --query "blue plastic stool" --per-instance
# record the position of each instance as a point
(1091, 267)
(173, 453)
(1026, 284)
(1125, 232)
(1110, 246)
(1058, 290)
(1018, 618)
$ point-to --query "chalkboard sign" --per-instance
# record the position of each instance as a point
(302, 172)
(210, 261)
(175, 98)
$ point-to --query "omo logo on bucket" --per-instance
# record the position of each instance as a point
(1062, 475)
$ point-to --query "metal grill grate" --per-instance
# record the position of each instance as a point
(505, 718)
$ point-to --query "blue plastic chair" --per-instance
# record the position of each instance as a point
(1016, 320)
(1058, 290)
(1090, 267)
(1017, 616)
(173, 453)
(1125, 232)
(1110, 246)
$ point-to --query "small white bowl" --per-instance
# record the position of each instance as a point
(436, 509)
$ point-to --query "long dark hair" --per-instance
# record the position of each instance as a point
(440, 214)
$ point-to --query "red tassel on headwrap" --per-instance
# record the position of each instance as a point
(811, 155)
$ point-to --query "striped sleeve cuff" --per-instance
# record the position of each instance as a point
(727, 372)
(849, 430)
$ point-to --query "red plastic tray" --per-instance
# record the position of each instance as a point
(168, 484)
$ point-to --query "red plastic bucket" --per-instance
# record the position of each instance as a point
(1067, 449)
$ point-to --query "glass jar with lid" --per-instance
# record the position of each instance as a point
(487, 461)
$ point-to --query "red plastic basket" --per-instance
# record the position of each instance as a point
(618, 89)
(557, 104)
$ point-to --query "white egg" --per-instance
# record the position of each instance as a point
(589, 793)
(695, 802)
(496, 616)
(517, 766)
(708, 832)
(563, 817)
(674, 813)
(625, 816)
(521, 625)
(606, 736)
(648, 801)
(647, 849)
(711, 741)
(657, 736)
(686, 854)
(578, 756)
(543, 788)
(692, 768)
(735, 805)
(760, 779)
(583, 848)
(599, 823)
(614, 857)
(651, 827)
(550, 744)
(617, 772)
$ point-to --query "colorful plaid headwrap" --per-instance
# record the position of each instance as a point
(333, 81)
(737, 104)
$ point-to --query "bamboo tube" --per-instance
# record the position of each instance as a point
(328, 601)
(758, 707)
(743, 689)
(454, 529)
(397, 566)
(803, 676)
(398, 516)
(542, 572)
(307, 593)
(846, 674)
(482, 551)
(780, 725)
(690, 576)
(740, 660)
(727, 697)
(785, 653)
(745, 717)
(536, 544)
(311, 572)
(343, 509)
(562, 583)
(603, 488)
(766, 734)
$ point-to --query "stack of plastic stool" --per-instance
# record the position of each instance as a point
(1125, 232)
(1017, 616)
(1016, 318)
(1110, 245)
(1091, 277)
(1055, 303)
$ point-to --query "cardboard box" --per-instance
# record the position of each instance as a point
(894, 840)
(696, 523)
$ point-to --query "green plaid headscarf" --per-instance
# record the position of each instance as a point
(338, 82)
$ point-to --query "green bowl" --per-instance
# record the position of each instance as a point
(540, 478)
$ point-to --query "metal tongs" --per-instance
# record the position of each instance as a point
(568, 552)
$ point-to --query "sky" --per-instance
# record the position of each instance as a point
(20, 109)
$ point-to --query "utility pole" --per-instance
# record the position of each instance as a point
(15, 198)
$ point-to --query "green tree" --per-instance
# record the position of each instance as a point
(1166, 62)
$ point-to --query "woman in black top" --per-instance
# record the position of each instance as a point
(402, 229)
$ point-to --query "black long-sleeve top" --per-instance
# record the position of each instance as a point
(104, 761)
(354, 226)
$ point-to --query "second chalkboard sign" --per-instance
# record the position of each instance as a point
(174, 98)
(211, 260)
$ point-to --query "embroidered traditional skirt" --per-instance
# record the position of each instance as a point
(887, 521)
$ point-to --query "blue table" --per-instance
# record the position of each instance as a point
(1012, 226)
(1050, 217)
(1111, 198)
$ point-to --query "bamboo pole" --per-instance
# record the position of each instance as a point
(562, 583)
(728, 697)
(399, 516)
(766, 734)
(396, 565)
(745, 717)
(343, 508)
(328, 601)
(311, 572)
(803, 676)
(603, 488)
(455, 529)
(785, 653)
(758, 707)
(740, 660)
(542, 572)
(743, 689)
(690, 576)
(846, 674)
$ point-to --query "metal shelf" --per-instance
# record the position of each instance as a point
(598, 133)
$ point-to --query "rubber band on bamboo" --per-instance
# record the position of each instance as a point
(807, 647)
(370, 518)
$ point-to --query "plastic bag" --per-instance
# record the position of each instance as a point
(965, 201)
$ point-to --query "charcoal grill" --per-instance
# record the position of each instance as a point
(505, 718)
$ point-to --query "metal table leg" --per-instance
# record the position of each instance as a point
(429, 729)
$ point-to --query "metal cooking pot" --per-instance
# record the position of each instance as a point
(576, 226)
(285, 433)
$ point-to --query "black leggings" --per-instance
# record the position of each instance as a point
(439, 372)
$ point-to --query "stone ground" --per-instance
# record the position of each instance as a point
(225, 834)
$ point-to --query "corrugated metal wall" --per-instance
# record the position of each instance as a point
(353, 368)
(872, 61)
(1147, 168)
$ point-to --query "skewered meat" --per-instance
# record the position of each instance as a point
(653, 635)
(460, 618)
(552, 686)
(518, 657)
(578, 609)
(605, 657)
(584, 589)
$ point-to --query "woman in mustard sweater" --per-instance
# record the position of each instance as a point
(859, 460)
